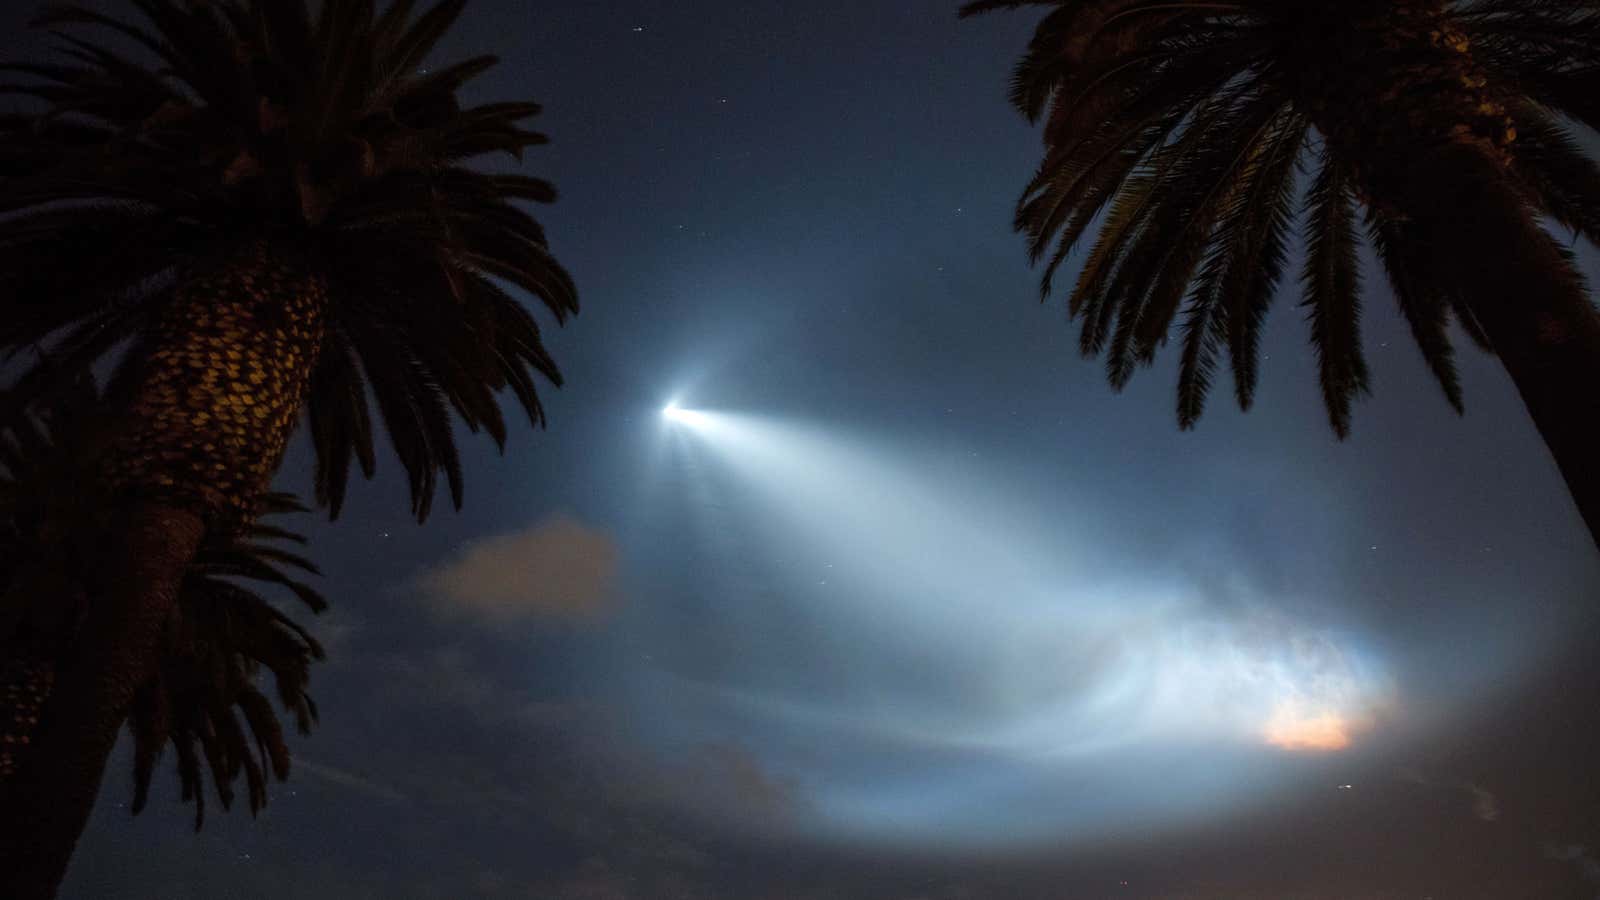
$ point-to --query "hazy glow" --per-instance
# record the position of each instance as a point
(947, 617)
(677, 414)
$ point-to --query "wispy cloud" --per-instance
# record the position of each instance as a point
(350, 780)
(1484, 804)
(447, 678)
(1579, 856)
(728, 778)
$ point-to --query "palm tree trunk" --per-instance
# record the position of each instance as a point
(1483, 239)
(41, 607)
(205, 428)
(48, 804)
(27, 677)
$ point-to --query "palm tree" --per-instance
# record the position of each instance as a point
(263, 210)
(221, 634)
(1442, 128)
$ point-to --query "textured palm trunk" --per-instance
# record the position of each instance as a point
(26, 680)
(39, 611)
(205, 430)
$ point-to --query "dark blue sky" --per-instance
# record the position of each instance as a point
(923, 609)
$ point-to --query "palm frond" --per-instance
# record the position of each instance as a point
(1254, 236)
(1423, 302)
(1554, 166)
(1332, 282)
(1194, 203)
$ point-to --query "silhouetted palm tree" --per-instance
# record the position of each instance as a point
(1180, 129)
(219, 636)
(268, 209)
(204, 698)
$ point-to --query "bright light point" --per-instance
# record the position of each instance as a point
(1293, 730)
(676, 413)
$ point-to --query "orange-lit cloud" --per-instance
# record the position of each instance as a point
(1295, 730)
(559, 569)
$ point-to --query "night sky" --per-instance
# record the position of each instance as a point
(913, 605)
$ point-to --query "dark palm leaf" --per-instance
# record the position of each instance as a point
(1332, 282)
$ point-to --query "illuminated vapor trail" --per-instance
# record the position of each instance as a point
(982, 635)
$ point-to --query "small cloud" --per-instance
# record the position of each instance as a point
(598, 880)
(337, 629)
(1484, 804)
(727, 781)
(559, 569)
(747, 782)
